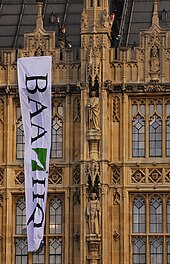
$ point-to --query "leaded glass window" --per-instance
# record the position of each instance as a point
(156, 215)
(21, 251)
(150, 127)
(139, 215)
(21, 217)
(155, 129)
(138, 129)
(139, 250)
(156, 251)
(55, 251)
(168, 250)
(150, 245)
(55, 226)
(57, 132)
(52, 252)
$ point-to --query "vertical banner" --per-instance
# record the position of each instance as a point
(34, 80)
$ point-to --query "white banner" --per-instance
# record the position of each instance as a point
(34, 80)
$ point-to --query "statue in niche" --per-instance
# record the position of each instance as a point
(154, 60)
(94, 214)
(93, 112)
(93, 106)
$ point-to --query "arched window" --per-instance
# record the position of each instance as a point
(55, 216)
(20, 230)
(155, 129)
(138, 128)
(139, 215)
(156, 219)
(55, 227)
(150, 245)
(52, 251)
(57, 132)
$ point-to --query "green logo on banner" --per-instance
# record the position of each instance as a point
(40, 163)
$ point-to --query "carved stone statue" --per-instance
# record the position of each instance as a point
(94, 214)
(154, 60)
(93, 112)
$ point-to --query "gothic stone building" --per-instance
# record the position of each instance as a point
(109, 179)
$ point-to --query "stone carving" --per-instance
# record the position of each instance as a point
(116, 109)
(76, 197)
(104, 19)
(76, 175)
(167, 175)
(93, 112)
(154, 61)
(76, 109)
(94, 214)
(1, 110)
(138, 176)
(55, 175)
(155, 176)
(116, 175)
(19, 178)
(154, 86)
(116, 197)
(84, 18)
(1, 176)
(93, 176)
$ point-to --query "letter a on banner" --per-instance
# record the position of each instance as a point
(34, 80)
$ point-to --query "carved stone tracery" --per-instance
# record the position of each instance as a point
(55, 175)
(1, 176)
(19, 177)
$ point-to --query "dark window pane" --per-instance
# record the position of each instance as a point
(139, 251)
(21, 251)
(156, 219)
(139, 217)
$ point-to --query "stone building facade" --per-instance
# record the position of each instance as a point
(108, 194)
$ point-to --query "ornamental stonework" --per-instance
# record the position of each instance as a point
(116, 175)
(55, 175)
(116, 108)
(1, 176)
(76, 109)
(167, 175)
(138, 176)
(1, 199)
(19, 177)
(76, 175)
(76, 196)
(155, 176)
(1, 110)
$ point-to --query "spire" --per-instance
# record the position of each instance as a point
(39, 23)
(155, 18)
